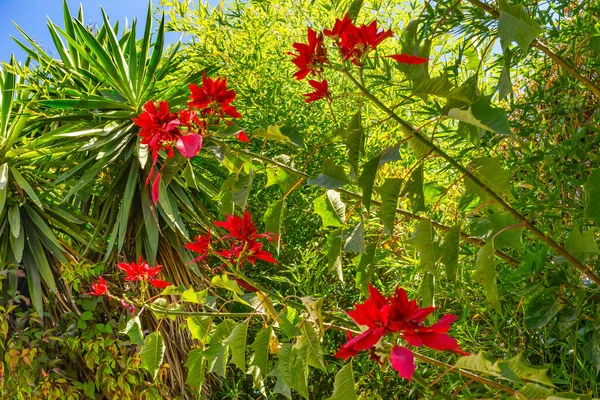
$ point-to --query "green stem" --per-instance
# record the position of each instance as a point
(204, 314)
(410, 130)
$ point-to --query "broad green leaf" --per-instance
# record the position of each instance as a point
(17, 245)
(591, 349)
(271, 133)
(41, 260)
(523, 371)
(331, 177)
(150, 228)
(364, 269)
(133, 329)
(354, 9)
(273, 219)
(476, 362)
(486, 275)
(450, 249)
(592, 187)
(261, 350)
(356, 241)
(224, 282)
(34, 283)
(279, 176)
(355, 138)
(569, 396)
(566, 321)
(216, 356)
(582, 245)
(309, 346)
(315, 310)
(389, 192)
(237, 343)
(423, 239)
(542, 308)
(324, 209)
(438, 86)
(515, 25)
(488, 228)
(292, 369)
(334, 253)
(130, 189)
(427, 290)
(191, 296)
(343, 386)
(595, 37)
(482, 115)
(3, 198)
(533, 391)
(490, 172)
(235, 191)
(369, 172)
(199, 328)
(195, 367)
(151, 355)
(413, 189)
(281, 387)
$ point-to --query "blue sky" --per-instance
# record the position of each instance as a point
(31, 16)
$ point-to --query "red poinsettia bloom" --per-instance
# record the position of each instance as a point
(321, 91)
(408, 59)
(383, 315)
(142, 271)
(212, 99)
(356, 41)
(159, 128)
(247, 251)
(242, 228)
(309, 58)
(200, 245)
(99, 288)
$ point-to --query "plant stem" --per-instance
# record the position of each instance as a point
(410, 130)
(203, 314)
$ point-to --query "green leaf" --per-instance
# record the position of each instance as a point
(271, 133)
(356, 241)
(273, 219)
(25, 186)
(423, 239)
(150, 228)
(450, 249)
(427, 290)
(216, 355)
(515, 25)
(133, 329)
(292, 369)
(34, 283)
(235, 191)
(195, 366)
(488, 228)
(17, 245)
(152, 353)
(582, 245)
(334, 253)
(191, 296)
(414, 190)
(591, 349)
(364, 271)
(486, 275)
(331, 177)
(389, 191)
(490, 172)
(309, 346)
(476, 362)
(3, 176)
(14, 220)
(482, 115)
(3, 198)
(261, 350)
(369, 173)
(523, 371)
(355, 138)
(237, 343)
(354, 9)
(224, 282)
(41, 260)
(343, 386)
(199, 328)
(533, 391)
(330, 208)
(592, 187)
(279, 176)
(130, 189)
(567, 319)
(542, 308)
(439, 86)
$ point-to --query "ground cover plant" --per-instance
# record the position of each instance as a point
(316, 199)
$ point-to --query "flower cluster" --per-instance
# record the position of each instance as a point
(245, 244)
(162, 129)
(140, 271)
(402, 318)
(354, 43)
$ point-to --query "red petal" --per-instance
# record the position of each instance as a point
(403, 361)
(242, 137)
(189, 145)
(159, 284)
(155, 187)
(408, 59)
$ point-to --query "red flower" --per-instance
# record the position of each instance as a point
(99, 288)
(408, 59)
(383, 315)
(309, 58)
(159, 128)
(200, 245)
(321, 91)
(142, 271)
(242, 228)
(213, 98)
(356, 41)
(241, 136)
